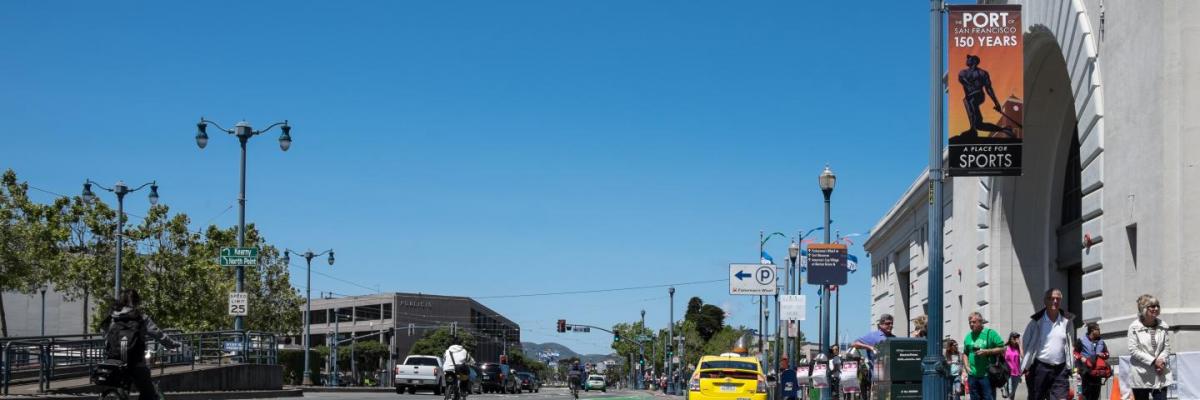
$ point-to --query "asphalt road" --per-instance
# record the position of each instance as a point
(544, 394)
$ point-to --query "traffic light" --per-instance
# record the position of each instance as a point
(616, 336)
(562, 325)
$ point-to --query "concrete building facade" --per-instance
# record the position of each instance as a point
(1105, 208)
(389, 316)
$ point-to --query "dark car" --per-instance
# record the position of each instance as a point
(476, 378)
(498, 378)
(530, 382)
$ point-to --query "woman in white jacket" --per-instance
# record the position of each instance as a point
(1148, 349)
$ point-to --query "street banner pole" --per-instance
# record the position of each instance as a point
(933, 384)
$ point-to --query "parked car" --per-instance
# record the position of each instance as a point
(727, 376)
(419, 372)
(595, 382)
(498, 378)
(530, 382)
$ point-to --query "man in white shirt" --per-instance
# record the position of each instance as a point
(1047, 342)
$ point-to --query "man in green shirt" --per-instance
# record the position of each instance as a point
(980, 349)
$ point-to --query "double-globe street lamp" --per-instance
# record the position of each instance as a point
(120, 189)
(308, 256)
(827, 180)
(244, 132)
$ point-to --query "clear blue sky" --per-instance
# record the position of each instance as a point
(489, 148)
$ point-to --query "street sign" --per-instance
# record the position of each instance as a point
(239, 256)
(239, 302)
(752, 279)
(791, 307)
(231, 346)
(827, 264)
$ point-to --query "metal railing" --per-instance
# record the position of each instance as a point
(22, 359)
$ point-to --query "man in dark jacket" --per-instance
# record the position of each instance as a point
(127, 312)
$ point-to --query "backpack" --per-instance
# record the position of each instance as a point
(125, 339)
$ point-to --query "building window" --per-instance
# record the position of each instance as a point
(368, 313)
(1072, 199)
(387, 311)
(319, 317)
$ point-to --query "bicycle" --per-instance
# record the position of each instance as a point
(574, 387)
(454, 383)
(114, 375)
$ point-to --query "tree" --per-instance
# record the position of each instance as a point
(436, 342)
(29, 238)
(709, 320)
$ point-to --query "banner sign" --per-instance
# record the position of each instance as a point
(827, 264)
(987, 83)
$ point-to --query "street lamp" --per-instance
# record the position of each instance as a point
(244, 132)
(120, 189)
(670, 339)
(308, 256)
(827, 180)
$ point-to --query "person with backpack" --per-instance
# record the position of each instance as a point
(126, 329)
(1091, 359)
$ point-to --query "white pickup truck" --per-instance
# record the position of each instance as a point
(419, 372)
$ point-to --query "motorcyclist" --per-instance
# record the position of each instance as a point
(457, 359)
(127, 316)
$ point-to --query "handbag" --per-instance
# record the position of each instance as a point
(998, 372)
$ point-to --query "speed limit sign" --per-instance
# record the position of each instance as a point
(238, 303)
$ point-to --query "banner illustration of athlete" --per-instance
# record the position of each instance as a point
(986, 45)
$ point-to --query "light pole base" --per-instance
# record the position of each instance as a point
(307, 380)
(933, 382)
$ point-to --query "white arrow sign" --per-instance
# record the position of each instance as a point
(752, 279)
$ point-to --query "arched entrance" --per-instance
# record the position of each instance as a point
(1043, 215)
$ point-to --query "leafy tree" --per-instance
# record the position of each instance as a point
(435, 343)
(29, 234)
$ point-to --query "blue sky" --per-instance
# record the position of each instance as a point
(489, 148)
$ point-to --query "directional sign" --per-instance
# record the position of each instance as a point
(239, 256)
(752, 279)
(827, 264)
(791, 307)
(239, 302)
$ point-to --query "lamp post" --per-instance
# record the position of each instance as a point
(827, 180)
(933, 385)
(120, 189)
(793, 288)
(244, 132)
(641, 380)
(308, 256)
(670, 339)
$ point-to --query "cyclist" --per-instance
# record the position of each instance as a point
(457, 359)
(126, 329)
(574, 376)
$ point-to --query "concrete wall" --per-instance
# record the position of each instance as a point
(23, 313)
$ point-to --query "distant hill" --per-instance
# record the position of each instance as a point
(540, 351)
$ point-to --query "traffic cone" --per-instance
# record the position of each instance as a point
(1116, 390)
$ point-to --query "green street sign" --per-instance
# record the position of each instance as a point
(239, 256)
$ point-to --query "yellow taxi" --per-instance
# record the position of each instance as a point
(728, 377)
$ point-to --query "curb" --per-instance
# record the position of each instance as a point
(325, 389)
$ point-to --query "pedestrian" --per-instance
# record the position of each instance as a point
(787, 380)
(920, 326)
(958, 376)
(1149, 346)
(868, 343)
(835, 371)
(1091, 358)
(981, 347)
(1012, 357)
(1047, 345)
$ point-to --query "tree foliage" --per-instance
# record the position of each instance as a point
(70, 245)
(434, 343)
